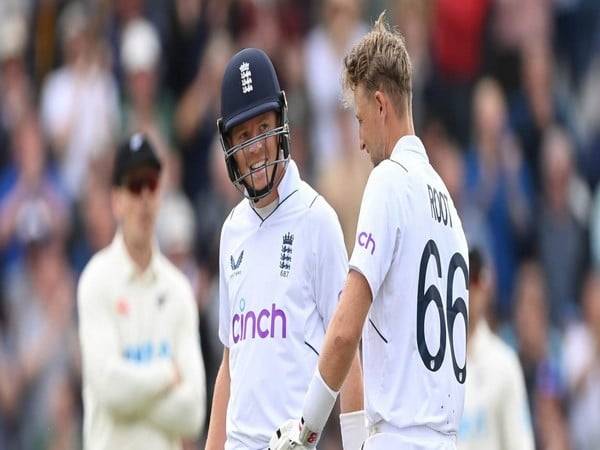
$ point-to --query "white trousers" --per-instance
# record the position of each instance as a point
(384, 436)
(395, 441)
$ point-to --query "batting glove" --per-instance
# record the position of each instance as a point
(293, 435)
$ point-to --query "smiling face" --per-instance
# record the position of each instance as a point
(255, 162)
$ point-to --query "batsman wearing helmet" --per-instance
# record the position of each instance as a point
(282, 265)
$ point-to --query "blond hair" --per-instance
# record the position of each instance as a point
(379, 61)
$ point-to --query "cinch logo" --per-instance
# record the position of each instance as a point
(248, 325)
(365, 240)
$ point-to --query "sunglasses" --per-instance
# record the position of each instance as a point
(136, 185)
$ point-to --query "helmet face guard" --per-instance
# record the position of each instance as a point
(245, 182)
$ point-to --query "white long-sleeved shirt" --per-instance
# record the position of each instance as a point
(133, 325)
(280, 278)
(496, 415)
(411, 249)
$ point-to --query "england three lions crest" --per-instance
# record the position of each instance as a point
(285, 262)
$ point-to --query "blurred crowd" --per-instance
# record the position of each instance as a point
(506, 100)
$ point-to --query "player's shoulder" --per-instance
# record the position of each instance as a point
(305, 196)
(237, 218)
(93, 280)
(237, 212)
(97, 267)
(175, 278)
(505, 358)
(306, 200)
(387, 174)
(385, 178)
(171, 271)
(319, 210)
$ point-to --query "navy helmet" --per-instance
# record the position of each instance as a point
(250, 87)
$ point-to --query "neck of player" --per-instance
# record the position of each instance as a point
(399, 126)
(140, 251)
(272, 198)
(266, 205)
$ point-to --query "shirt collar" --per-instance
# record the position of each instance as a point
(129, 267)
(289, 184)
(409, 143)
(290, 181)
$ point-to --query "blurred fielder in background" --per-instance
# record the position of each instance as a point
(282, 265)
(143, 376)
(496, 414)
(408, 280)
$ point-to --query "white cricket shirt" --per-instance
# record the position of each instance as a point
(131, 326)
(496, 415)
(411, 248)
(279, 284)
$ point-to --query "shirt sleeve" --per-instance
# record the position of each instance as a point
(121, 385)
(331, 261)
(224, 310)
(376, 232)
(516, 430)
(182, 411)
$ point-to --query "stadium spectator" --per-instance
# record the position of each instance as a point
(539, 347)
(79, 104)
(325, 46)
(498, 185)
(559, 226)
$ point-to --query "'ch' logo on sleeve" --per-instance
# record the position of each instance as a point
(285, 261)
(246, 77)
(366, 240)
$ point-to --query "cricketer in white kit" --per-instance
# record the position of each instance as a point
(142, 370)
(496, 414)
(407, 290)
(282, 265)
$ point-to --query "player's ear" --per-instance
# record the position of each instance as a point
(381, 103)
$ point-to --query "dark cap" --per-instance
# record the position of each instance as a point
(135, 152)
(250, 87)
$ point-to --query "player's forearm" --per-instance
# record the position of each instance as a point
(351, 393)
(122, 385)
(343, 334)
(216, 428)
(336, 357)
(181, 412)
(128, 388)
(339, 351)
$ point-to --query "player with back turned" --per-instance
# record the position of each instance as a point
(408, 280)
(282, 265)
